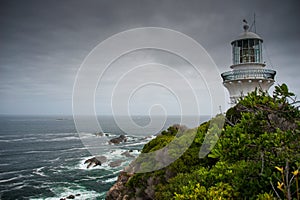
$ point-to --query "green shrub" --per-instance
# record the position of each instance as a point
(261, 133)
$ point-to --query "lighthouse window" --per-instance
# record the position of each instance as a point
(247, 51)
(236, 52)
(236, 48)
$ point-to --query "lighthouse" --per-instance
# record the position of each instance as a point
(248, 70)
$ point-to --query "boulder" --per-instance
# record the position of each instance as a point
(118, 140)
(127, 154)
(95, 161)
(71, 196)
(117, 190)
(116, 163)
(100, 134)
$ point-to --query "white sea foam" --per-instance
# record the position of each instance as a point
(58, 134)
(13, 172)
(72, 149)
(53, 160)
(63, 192)
(111, 180)
(83, 166)
(9, 179)
(113, 153)
(19, 139)
(39, 171)
(58, 139)
(18, 186)
(40, 151)
(135, 144)
(19, 176)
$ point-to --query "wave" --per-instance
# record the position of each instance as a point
(110, 180)
(72, 149)
(8, 180)
(20, 176)
(41, 139)
(38, 171)
(111, 155)
(3, 164)
(135, 144)
(58, 139)
(18, 186)
(37, 151)
(13, 172)
(64, 192)
(18, 139)
(53, 160)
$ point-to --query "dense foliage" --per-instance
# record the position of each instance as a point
(256, 157)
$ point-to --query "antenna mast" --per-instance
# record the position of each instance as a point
(254, 23)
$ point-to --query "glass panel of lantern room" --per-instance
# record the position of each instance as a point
(251, 50)
(247, 52)
(240, 51)
(260, 51)
(235, 53)
(257, 51)
(244, 52)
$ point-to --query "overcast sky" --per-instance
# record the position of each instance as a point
(43, 43)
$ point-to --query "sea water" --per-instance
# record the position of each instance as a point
(42, 157)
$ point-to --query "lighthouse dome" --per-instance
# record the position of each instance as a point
(247, 35)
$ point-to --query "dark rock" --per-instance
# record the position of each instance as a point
(106, 134)
(116, 163)
(95, 161)
(71, 196)
(62, 199)
(118, 140)
(100, 134)
(127, 154)
(122, 136)
(77, 195)
(117, 190)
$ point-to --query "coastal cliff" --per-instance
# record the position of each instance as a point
(256, 156)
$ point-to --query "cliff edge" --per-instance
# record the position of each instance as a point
(256, 156)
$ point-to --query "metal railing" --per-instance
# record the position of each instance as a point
(248, 74)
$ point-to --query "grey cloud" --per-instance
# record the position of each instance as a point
(43, 43)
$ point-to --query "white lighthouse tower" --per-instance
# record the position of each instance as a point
(248, 69)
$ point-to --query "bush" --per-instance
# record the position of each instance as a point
(261, 133)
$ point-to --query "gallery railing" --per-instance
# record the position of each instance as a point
(248, 74)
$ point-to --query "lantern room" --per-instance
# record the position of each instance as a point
(247, 48)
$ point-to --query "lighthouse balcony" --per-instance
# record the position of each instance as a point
(248, 74)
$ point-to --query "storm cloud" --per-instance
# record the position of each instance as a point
(43, 43)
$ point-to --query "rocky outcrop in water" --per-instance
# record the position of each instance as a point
(118, 140)
(95, 161)
(100, 134)
(116, 163)
(71, 196)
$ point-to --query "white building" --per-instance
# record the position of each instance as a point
(248, 69)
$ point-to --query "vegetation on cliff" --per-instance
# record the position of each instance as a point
(256, 157)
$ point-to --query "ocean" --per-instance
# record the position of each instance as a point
(42, 157)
